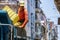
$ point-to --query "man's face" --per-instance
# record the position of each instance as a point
(21, 7)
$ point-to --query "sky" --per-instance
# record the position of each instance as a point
(50, 10)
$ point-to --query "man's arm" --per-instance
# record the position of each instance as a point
(26, 19)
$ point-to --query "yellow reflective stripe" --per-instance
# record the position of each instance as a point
(9, 12)
(17, 24)
(8, 9)
(13, 16)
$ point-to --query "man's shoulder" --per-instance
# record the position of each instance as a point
(25, 9)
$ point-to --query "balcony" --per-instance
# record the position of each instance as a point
(37, 21)
(37, 10)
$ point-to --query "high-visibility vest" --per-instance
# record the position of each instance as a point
(12, 15)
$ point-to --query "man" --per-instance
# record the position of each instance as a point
(23, 16)
(23, 19)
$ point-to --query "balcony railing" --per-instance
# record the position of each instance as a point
(11, 35)
(11, 28)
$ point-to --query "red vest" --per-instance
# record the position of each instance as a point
(21, 15)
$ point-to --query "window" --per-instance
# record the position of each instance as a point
(36, 29)
(35, 17)
(36, 3)
(58, 21)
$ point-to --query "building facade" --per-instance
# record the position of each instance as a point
(52, 31)
(30, 27)
(40, 22)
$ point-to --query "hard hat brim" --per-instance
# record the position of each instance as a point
(21, 4)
